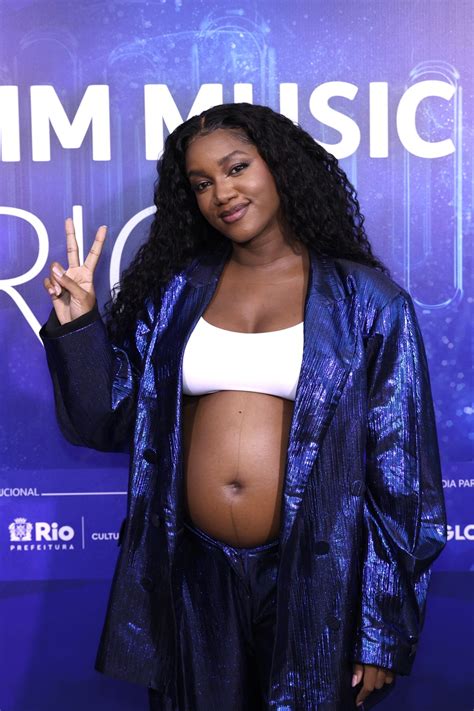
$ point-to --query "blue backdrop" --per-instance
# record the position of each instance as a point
(88, 91)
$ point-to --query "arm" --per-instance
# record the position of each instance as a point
(94, 381)
(404, 508)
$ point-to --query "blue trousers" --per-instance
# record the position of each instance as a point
(226, 625)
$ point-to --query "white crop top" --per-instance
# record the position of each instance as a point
(216, 359)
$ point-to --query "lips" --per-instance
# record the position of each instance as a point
(235, 213)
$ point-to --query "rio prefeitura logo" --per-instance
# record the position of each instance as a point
(27, 536)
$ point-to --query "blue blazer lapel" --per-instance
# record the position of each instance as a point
(184, 301)
(328, 351)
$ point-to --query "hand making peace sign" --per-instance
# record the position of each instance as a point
(72, 291)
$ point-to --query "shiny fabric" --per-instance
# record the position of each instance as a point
(226, 624)
(363, 511)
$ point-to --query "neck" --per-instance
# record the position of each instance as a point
(273, 256)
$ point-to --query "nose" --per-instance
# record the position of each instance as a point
(223, 191)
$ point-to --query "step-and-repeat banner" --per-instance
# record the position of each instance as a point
(89, 91)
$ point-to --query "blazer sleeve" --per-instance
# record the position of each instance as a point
(404, 507)
(94, 381)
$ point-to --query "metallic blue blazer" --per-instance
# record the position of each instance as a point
(363, 511)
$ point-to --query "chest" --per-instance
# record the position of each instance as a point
(258, 304)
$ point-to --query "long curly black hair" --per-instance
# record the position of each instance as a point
(318, 204)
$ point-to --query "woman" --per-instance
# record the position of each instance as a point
(270, 381)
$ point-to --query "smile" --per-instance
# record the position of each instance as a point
(236, 215)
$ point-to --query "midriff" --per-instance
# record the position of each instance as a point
(235, 445)
(236, 441)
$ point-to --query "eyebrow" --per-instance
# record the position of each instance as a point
(221, 161)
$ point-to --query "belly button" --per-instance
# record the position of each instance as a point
(235, 485)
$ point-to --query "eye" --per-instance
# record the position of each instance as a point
(199, 187)
(239, 167)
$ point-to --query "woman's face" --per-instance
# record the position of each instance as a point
(229, 175)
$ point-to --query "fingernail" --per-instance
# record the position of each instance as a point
(58, 271)
(57, 289)
(52, 291)
(354, 679)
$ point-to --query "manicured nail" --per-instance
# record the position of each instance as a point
(354, 679)
(57, 288)
(58, 271)
(52, 292)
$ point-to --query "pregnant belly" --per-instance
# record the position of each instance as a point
(235, 446)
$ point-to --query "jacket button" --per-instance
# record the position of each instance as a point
(149, 455)
(147, 583)
(357, 487)
(333, 622)
(321, 547)
(155, 519)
